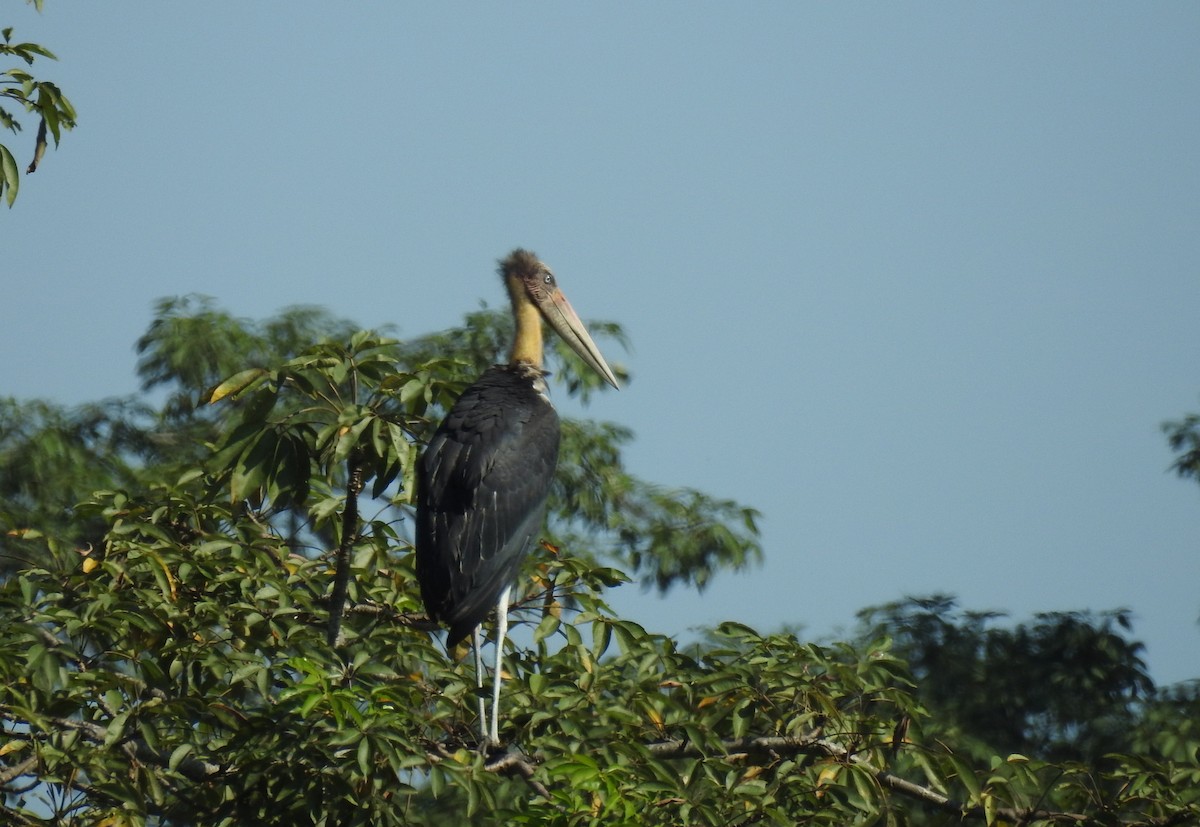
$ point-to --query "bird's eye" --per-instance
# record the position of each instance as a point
(549, 279)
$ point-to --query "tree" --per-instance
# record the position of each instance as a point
(179, 668)
(42, 98)
(1066, 686)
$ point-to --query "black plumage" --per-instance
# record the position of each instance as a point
(482, 490)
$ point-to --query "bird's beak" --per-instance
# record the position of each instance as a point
(563, 318)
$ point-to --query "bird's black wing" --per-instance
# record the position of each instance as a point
(482, 486)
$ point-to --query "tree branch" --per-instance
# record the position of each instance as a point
(194, 769)
(510, 763)
(16, 770)
(412, 620)
(341, 578)
(17, 818)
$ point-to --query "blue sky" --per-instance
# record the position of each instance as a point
(918, 281)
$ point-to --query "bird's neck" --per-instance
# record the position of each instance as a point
(527, 340)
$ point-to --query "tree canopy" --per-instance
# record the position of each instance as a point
(209, 616)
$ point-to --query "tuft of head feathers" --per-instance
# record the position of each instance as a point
(520, 264)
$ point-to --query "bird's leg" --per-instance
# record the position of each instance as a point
(501, 632)
(477, 646)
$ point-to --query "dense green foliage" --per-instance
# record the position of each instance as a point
(167, 654)
(1071, 683)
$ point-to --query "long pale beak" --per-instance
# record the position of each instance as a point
(562, 317)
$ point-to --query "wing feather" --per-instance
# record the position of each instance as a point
(482, 486)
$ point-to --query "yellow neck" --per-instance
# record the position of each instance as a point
(527, 340)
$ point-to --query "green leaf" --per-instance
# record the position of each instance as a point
(116, 729)
(601, 636)
(235, 384)
(10, 176)
(34, 48)
(549, 624)
(967, 776)
(989, 809)
(364, 756)
(178, 754)
(253, 466)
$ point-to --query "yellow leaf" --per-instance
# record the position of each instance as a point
(828, 775)
(90, 565)
(655, 717)
(25, 533)
(234, 384)
(13, 746)
(170, 578)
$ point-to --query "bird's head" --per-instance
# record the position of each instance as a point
(532, 286)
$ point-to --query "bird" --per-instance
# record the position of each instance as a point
(483, 478)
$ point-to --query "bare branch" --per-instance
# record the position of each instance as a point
(510, 763)
(413, 620)
(16, 818)
(17, 770)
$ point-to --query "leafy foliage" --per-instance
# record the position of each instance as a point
(39, 97)
(1070, 681)
(178, 667)
(51, 459)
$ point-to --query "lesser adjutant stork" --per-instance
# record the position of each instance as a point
(484, 477)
